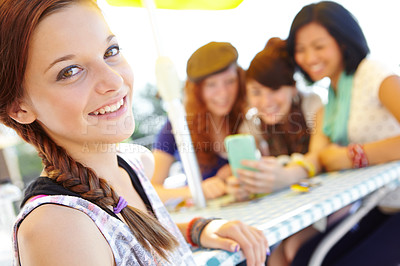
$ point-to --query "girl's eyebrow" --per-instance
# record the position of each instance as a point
(313, 41)
(109, 38)
(319, 40)
(71, 56)
(63, 58)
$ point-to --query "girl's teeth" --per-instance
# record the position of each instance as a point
(109, 109)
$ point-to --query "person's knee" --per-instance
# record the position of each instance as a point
(292, 244)
(277, 257)
(290, 248)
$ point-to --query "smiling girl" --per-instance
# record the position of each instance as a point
(360, 124)
(67, 90)
(282, 125)
(214, 104)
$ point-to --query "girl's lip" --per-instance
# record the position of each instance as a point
(315, 71)
(113, 115)
(271, 111)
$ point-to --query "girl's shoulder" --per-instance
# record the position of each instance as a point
(370, 67)
(311, 103)
(59, 232)
(311, 98)
(369, 76)
(59, 221)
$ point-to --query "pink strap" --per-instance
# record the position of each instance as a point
(37, 197)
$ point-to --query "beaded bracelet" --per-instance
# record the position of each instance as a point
(357, 155)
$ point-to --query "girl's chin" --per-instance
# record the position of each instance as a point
(317, 77)
(271, 120)
(112, 140)
(222, 111)
(120, 134)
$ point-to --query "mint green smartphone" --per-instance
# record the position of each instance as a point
(240, 147)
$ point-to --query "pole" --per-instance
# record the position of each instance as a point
(169, 87)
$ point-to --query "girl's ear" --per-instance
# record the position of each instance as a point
(21, 112)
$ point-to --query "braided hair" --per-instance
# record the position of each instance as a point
(18, 20)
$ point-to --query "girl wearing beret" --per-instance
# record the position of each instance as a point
(214, 102)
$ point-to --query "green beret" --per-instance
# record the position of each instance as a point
(210, 59)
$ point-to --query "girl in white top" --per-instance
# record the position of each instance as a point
(360, 125)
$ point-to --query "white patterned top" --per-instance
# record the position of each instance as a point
(369, 120)
(125, 247)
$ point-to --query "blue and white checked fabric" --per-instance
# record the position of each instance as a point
(284, 213)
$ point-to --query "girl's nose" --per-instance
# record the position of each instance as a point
(109, 79)
(310, 57)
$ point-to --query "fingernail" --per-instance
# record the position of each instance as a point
(268, 252)
(235, 247)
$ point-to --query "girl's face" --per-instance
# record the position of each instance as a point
(318, 53)
(77, 84)
(273, 105)
(219, 91)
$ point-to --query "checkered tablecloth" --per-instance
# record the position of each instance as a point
(284, 213)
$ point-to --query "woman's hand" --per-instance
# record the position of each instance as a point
(213, 187)
(234, 188)
(269, 175)
(224, 172)
(335, 157)
(234, 236)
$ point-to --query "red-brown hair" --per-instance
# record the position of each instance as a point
(198, 118)
(18, 20)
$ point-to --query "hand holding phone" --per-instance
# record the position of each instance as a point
(241, 147)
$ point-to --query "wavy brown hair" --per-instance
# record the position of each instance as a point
(274, 68)
(198, 118)
(18, 20)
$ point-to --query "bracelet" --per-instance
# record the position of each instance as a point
(195, 228)
(308, 166)
(357, 156)
(189, 229)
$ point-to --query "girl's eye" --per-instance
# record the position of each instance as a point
(210, 85)
(68, 72)
(112, 51)
(231, 81)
